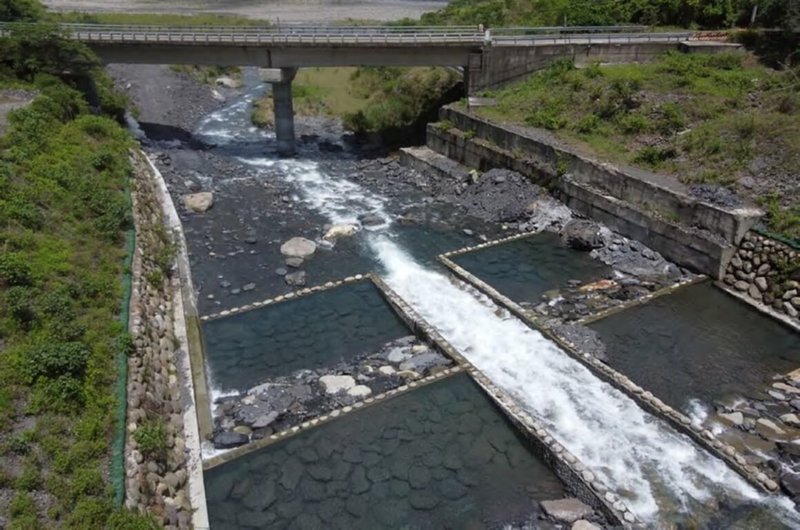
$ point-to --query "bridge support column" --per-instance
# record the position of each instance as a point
(281, 80)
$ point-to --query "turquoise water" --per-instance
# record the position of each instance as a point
(524, 269)
(311, 332)
(698, 343)
(441, 456)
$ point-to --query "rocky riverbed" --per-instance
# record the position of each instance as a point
(283, 402)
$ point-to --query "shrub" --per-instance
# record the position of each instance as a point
(151, 438)
(57, 360)
(14, 269)
(126, 520)
(20, 303)
(588, 124)
(654, 156)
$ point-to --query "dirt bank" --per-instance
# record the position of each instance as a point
(273, 11)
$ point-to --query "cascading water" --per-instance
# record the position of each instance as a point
(661, 474)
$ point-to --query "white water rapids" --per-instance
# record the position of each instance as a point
(658, 472)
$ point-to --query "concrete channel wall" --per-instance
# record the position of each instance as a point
(160, 387)
(505, 64)
(652, 208)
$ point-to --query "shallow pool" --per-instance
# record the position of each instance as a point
(441, 456)
(698, 343)
(310, 332)
(524, 269)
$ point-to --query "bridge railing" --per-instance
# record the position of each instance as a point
(360, 35)
(598, 38)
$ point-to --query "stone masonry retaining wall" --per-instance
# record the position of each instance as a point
(156, 481)
(642, 397)
(638, 204)
(767, 272)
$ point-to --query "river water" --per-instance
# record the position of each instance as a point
(663, 477)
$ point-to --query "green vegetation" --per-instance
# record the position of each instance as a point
(64, 171)
(680, 13)
(396, 98)
(368, 100)
(703, 118)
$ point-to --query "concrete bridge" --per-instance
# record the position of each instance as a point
(488, 59)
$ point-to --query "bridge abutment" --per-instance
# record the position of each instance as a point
(281, 80)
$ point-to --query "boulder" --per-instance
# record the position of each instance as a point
(419, 363)
(584, 235)
(199, 202)
(732, 418)
(566, 510)
(584, 525)
(359, 391)
(227, 82)
(790, 482)
(229, 439)
(294, 262)
(337, 231)
(371, 219)
(296, 279)
(768, 428)
(334, 384)
(299, 247)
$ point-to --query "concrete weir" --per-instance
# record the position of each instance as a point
(654, 209)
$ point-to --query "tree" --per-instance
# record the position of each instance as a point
(33, 49)
(21, 10)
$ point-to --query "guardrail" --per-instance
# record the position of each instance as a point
(358, 35)
(608, 38)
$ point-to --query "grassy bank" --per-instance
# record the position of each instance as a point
(367, 100)
(720, 119)
(64, 211)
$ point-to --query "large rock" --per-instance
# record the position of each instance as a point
(337, 231)
(295, 279)
(199, 202)
(229, 439)
(566, 510)
(768, 429)
(421, 362)
(584, 525)
(227, 82)
(333, 384)
(582, 235)
(299, 247)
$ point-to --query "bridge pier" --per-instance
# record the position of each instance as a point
(281, 80)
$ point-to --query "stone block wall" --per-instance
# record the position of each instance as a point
(767, 271)
(156, 479)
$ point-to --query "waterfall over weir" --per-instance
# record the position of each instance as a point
(662, 476)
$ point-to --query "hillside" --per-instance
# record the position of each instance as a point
(64, 232)
(680, 13)
(705, 119)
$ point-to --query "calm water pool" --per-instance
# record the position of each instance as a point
(441, 456)
(315, 331)
(698, 343)
(524, 269)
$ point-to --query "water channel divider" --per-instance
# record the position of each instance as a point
(286, 297)
(190, 363)
(645, 399)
